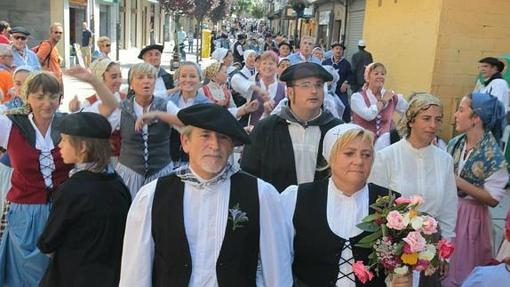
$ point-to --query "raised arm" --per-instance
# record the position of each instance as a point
(108, 101)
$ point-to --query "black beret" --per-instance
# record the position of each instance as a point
(216, 118)
(305, 70)
(85, 124)
(21, 30)
(150, 47)
(334, 44)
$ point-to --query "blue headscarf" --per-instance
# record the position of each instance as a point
(490, 110)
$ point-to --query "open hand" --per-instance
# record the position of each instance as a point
(74, 104)
(81, 74)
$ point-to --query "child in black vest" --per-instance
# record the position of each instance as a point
(85, 229)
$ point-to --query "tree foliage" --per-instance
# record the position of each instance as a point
(217, 14)
(257, 10)
(241, 7)
(178, 7)
(203, 7)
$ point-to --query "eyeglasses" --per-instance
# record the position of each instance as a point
(23, 38)
(309, 85)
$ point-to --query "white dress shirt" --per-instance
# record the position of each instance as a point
(205, 219)
(343, 214)
(305, 144)
(427, 172)
(369, 113)
(499, 89)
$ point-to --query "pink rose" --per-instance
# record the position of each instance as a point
(407, 249)
(416, 199)
(396, 220)
(445, 248)
(415, 241)
(362, 272)
(421, 265)
(429, 225)
(402, 200)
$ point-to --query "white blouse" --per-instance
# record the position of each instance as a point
(427, 172)
(369, 113)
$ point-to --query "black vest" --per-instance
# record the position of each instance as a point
(237, 262)
(317, 249)
(238, 58)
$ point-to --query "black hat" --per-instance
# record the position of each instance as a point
(216, 118)
(150, 47)
(21, 30)
(305, 70)
(241, 36)
(85, 124)
(285, 44)
(334, 44)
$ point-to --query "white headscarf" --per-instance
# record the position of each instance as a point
(333, 135)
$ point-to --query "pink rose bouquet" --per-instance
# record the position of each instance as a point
(402, 239)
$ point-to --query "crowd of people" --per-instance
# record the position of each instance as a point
(253, 172)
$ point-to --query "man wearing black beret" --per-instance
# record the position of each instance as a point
(286, 147)
(164, 83)
(346, 77)
(208, 224)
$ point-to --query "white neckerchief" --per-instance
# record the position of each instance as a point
(271, 89)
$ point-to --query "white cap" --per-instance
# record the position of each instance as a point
(219, 54)
(247, 53)
(361, 43)
(333, 135)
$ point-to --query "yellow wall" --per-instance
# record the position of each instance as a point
(434, 45)
(469, 30)
(402, 35)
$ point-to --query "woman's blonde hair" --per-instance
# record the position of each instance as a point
(419, 102)
(192, 64)
(142, 68)
(36, 81)
(213, 69)
(269, 55)
(346, 138)
(97, 151)
(103, 39)
(372, 67)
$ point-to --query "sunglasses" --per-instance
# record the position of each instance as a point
(23, 38)
(58, 32)
(108, 45)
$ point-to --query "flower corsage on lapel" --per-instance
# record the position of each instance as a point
(237, 217)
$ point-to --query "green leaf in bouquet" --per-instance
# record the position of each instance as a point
(368, 226)
(371, 217)
(365, 245)
(372, 237)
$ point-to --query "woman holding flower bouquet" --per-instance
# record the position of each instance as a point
(322, 216)
(410, 166)
(481, 176)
